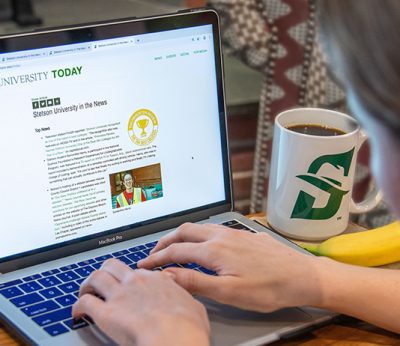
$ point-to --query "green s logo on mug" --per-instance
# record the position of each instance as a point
(303, 209)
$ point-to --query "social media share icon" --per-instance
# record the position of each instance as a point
(35, 104)
(50, 102)
(57, 101)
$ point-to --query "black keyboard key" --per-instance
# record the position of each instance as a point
(54, 316)
(190, 265)
(97, 265)
(32, 277)
(56, 329)
(86, 262)
(27, 299)
(79, 281)
(40, 308)
(75, 324)
(151, 245)
(10, 283)
(66, 300)
(239, 226)
(85, 271)
(69, 267)
(51, 292)
(120, 253)
(49, 281)
(124, 259)
(206, 271)
(147, 251)
(171, 265)
(137, 248)
(68, 276)
(76, 294)
(51, 272)
(133, 266)
(69, 287)
(136, 256)
(103, 258)
(30, 287)
(11, 292)
(89, 320)
(229, 223)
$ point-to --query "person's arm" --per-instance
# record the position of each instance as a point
(140, 307)
(371, 294)
(257, 272)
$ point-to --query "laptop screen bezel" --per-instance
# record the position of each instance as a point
(114, 29)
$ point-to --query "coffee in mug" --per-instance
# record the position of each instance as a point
(316, 130)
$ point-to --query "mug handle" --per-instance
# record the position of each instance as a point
(374, 196)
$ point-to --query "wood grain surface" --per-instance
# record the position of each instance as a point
(7, 339)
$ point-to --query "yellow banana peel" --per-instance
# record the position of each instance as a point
(371, 248)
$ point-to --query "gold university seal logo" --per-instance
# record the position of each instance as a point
(143, 127)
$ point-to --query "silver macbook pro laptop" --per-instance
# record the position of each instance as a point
(113, 134)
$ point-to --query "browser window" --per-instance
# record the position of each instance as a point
(106, 134)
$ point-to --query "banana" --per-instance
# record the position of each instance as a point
(371, 248)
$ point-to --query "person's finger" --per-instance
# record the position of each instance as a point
(116, 268)
(88, 305)
(176, 253)
(188, 232)
(199, 283)
(99, 282)
(168, 274)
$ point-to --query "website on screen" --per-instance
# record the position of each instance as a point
(105, 134)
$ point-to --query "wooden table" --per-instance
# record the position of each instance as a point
(344, 331)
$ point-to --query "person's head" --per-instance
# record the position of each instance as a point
(360, 39)
(128, 181)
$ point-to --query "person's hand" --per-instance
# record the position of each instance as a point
(142, 307)
(255, 271)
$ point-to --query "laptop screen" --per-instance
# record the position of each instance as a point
(105, 134)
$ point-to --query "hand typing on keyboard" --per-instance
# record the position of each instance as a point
(141, 307)
(255, 271)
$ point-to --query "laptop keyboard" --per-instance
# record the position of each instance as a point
(238, 225)
(47, 298)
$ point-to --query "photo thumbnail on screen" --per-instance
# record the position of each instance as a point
(135, 186)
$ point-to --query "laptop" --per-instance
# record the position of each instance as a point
(114, 134)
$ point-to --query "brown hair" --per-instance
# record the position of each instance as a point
(361, 39)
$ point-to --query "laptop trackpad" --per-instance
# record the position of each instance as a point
(232, 326)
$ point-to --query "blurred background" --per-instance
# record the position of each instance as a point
(273, 61)
(243, 84)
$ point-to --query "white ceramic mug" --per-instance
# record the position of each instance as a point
(311, 176)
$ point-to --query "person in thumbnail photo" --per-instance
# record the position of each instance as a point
(131, 194)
